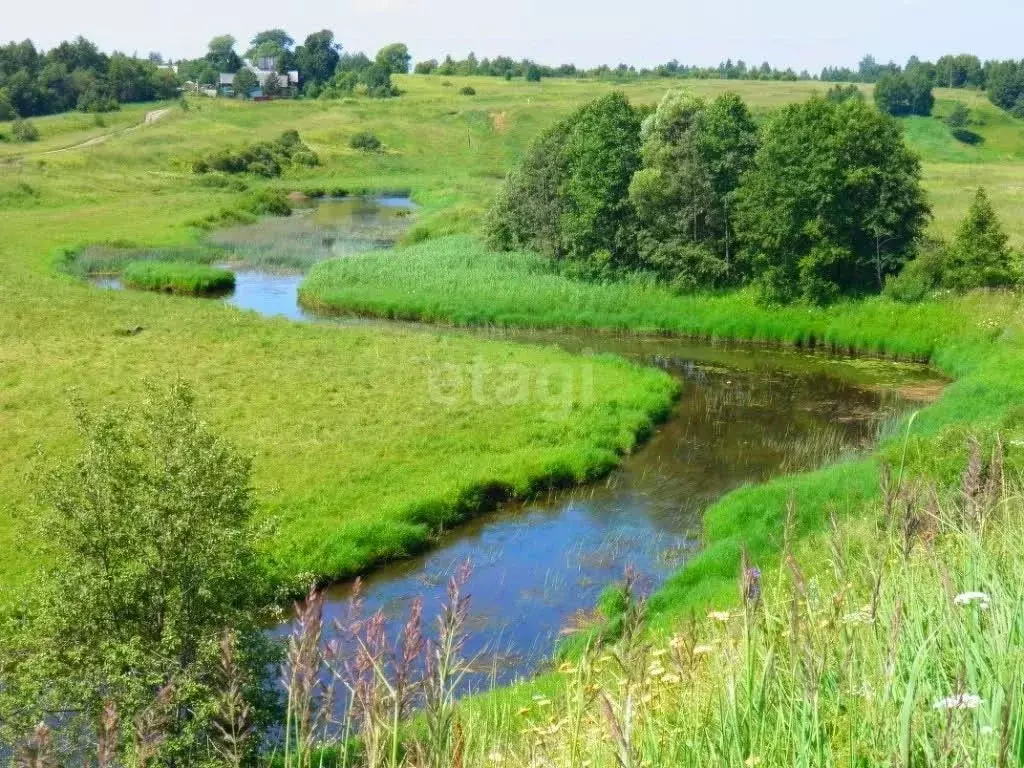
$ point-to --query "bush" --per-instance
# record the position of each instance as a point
(24, 131)
(268, 202)
(920, 276)
(365, 142)
(467, 90)
(901, 95)
(265, 158)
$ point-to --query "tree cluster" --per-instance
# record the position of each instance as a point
(75, 75)
(902, 94)
(823, 200)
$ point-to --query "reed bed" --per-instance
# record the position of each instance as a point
(178, 277)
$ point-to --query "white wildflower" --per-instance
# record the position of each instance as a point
(960, 701)
(968, 598)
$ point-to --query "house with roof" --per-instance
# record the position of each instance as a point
(264, 69)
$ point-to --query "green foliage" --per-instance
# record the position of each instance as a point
(267, 202)
(694, 154)
(221, 54)
(394, 58)
(1005, 86)
(959, 117)
(527, 212)
(601, 154)
(832, 204)
(467, 90)
(245, 82)
(24, 131)
(75, 75)
(317, 58)
(7, 110)
(919, 276)
(272, 86)
(266, 158)
(150, 553)
(377, 79)
(900, 95)
(979, 256)
(177, 277)
(365, 142)
(274, 45)
(837, 94)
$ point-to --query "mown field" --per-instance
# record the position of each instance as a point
(351, 455)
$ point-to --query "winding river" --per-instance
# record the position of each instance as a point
(745, 415)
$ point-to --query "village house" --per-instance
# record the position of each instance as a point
(264, 69)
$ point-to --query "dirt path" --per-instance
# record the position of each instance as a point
(151, 117)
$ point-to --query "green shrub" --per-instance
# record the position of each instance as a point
(24, 131)
(467, 90)
(365, 141)
(268, 202)
(177, 277)
(266, 158)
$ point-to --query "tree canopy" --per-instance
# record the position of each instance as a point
(833, 202)
(394, 58)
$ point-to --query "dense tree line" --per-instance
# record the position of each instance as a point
(823, 200)
(1002, 80)
(504, 66)
(75, 75)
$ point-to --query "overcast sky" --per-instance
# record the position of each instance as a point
(788, 33)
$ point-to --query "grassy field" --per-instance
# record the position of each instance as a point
(346, 444)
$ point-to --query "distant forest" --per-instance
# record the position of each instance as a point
(77, 75)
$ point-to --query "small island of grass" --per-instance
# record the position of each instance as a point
(178, 278)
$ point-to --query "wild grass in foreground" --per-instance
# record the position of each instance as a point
(893, 639)
(178, 277)
(900, 645)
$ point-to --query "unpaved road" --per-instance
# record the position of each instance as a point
(151, 117)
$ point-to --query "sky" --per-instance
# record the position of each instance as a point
(787, 33)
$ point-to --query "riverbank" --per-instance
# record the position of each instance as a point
(974, 339)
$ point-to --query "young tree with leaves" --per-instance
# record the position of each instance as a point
(979, 256)
(148, 536)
